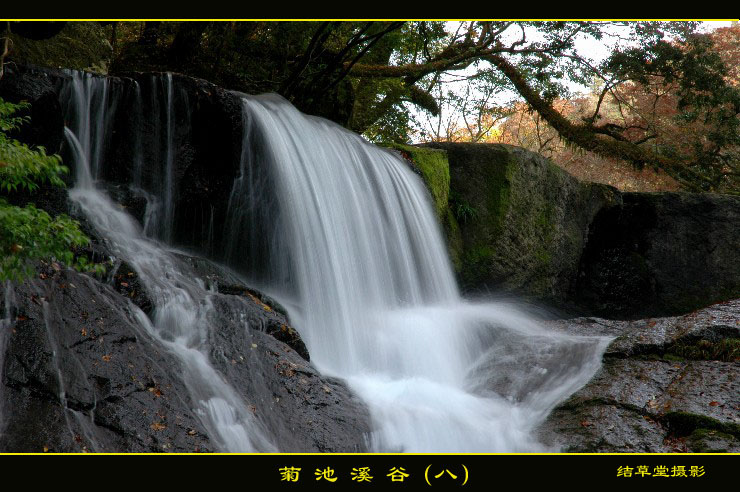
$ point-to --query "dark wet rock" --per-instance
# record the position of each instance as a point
(34, 86)
(206, 141)
(666, 384)
(276, 324)
(225, 281)
(130, 199)
(125, 280)
(79, 374)
(661, 254)
(303, 409)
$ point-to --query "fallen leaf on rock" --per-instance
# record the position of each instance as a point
(158, 426)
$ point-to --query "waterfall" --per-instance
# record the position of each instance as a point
(359, 258)
(343, 233)
(182, 305)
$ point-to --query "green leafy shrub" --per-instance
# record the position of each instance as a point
(28, 234)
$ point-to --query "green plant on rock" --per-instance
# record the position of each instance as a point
(28, 234)
(464, 212)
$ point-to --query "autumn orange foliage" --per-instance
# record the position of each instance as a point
(645, 112)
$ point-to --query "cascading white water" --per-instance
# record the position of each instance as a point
(345, 236)
(182, 303)
(366, 276)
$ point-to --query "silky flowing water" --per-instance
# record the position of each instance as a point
(344, 234)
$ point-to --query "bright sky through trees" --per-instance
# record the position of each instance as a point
(459, 84)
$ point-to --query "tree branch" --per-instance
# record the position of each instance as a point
(587, 138)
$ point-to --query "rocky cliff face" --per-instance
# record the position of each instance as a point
(528, 227)
(661, 253)
(523, 221)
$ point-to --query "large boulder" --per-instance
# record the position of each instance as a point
(665, 385)
(517, 223)
(523, 220)
(661, 253)
(79, 374)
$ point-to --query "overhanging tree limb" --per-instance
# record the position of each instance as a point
(589, 137)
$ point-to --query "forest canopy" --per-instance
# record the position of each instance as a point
(665, 95)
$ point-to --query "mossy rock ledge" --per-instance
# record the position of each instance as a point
(517, 223)
(523, 221)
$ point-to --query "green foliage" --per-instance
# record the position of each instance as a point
(462, 209)
(80, 45)
(28, 234)
(726, 349)
(22, 168)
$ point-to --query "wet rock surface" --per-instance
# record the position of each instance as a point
(661, 254)
(666, 385)
(303, 409)
(81, 373)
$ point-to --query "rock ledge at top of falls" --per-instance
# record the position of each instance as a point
(80, 373)
(665, 385)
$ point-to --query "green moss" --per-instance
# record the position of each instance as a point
(500, 178)
(544, 225)
(727, 350)
(80, 45)
(454, 241)
(685, 423)
(710, 441)
(475, 263)
(434, 168)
